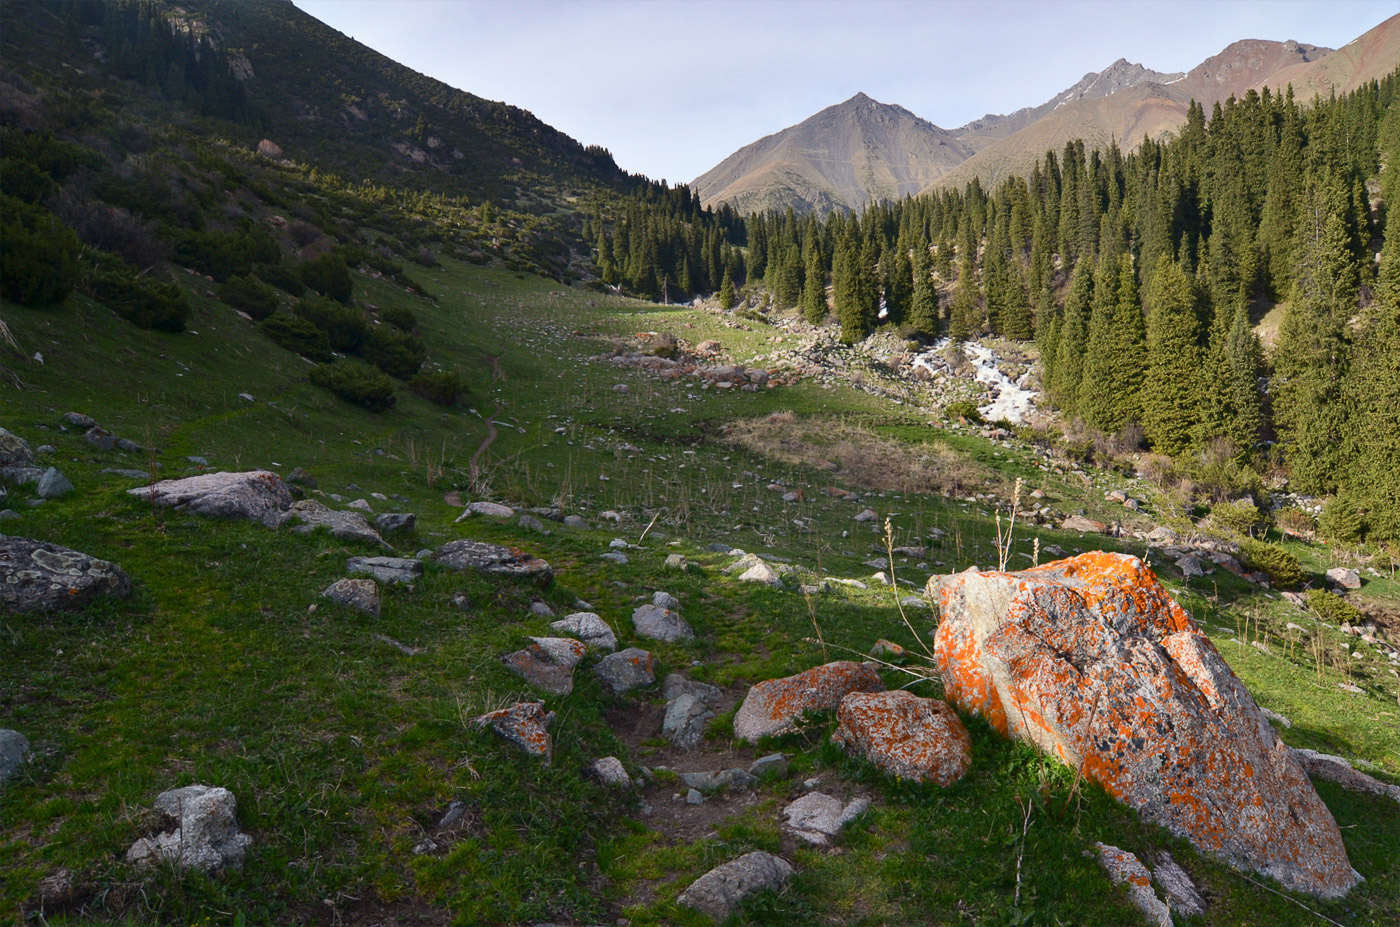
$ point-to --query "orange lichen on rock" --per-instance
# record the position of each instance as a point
(524, 724)
(773, 706)
(910, 737)
(1090, 659)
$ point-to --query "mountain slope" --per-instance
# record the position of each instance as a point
(1147, 109)
(842, 158)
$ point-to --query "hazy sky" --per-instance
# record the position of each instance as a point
(672, 87)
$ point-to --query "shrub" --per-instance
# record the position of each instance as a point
(355, 383)
(297, 335)
(1239, 517)
(223, 255)
(24, 181)
(400, 317)
(665, 345)
(1341, 520)
(328, 276)
(963, 408)
(1273, 561)
(1218, 472)
(281, 276)
(444, 387)
(38, 255)
(249, 294)
(1296, 522)
(1331, 607)
(346, 329)
(143, 301)
(394, 352)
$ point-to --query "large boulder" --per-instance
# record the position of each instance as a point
(1092, 661)
(255, 494)
(203, 832)
(908, 737)
(775, 705)
(661, 624)
(493, 559)
(720, 891)
(36, 576)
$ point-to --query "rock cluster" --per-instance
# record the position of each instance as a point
(774, 706)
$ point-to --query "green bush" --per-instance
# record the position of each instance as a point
(1295, 521)
(38, 255)
(24, 181)
(345, 328)
(143, 301)
(1332, 607)
(249, 294)
(1238, 517)
(964, 408)
(394, 352)
(400, 317)
(444, 387)
(328, 276)
(297, 335)
(1273, 561)
(1342, 521)
(281, 276)
(222, 255)
(355, 383)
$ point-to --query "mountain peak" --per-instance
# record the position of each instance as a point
(860, 97)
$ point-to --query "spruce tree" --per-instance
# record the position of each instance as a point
(1069, 349)
(1097, 401)
(726, 292)
(814, 307)
(1169, 397)
(923, 303)
(852, 294)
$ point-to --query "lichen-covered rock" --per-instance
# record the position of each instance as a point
(720, 891)
(308, 515)
(610, 771)
(587, 627)
(493, 559)
(661, 624)
(255, 494)
(626, 670)
(1086, 525)
(37, 576)
(1126, 869)
(908, 737)
(1176, 887)
(1338, 770)
(387, 569)
(395, 521)
(774, 706)
(14, 450)
(817, 817)
(359, 594)
(525, 725)
(547, 663)
(204, 836)
(1092, 661)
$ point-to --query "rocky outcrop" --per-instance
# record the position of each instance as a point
(774, 706)
(494, 560)
(1090, 659)
(37, 576)
(203, 832)
(720, 891)
(254, 495)
(921, 739)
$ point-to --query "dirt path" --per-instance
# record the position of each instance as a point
(497, 376)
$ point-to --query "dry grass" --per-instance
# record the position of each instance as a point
(862, 458)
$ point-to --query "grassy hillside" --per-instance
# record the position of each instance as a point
(344, 752)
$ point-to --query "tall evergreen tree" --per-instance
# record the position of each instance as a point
(1169, 398)
(726, 292)
(814, 289)
(923, 303)
(1073, 333)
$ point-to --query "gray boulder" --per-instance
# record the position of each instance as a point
(127, 446)
(37, 576)
(100, 438)
(79, 420)
(1344, 577)
(396, 521)
(720, 891)
(14, 450)
(257, 495)
(14, 753)
(21, 476)
(489, 509)
(494, 560)
(666, 600)
(686, 717)
(587, 627)
(204, 832)
(817, 817)
(53, 484)
(359, 594)
(574, 521)
(626, 670)
(387, 569)
(610, 771)
(308, 515)
(661, 624)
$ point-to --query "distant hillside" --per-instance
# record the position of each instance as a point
(323, 97)
(842, 158)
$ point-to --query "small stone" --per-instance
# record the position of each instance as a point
(541, 609)
(462, 602)
(1276, 718)
(359, 594)
(395, 521)
(100, 438)
(661, 624)
(587, 627)
(53, 485)
(666, 600)
(626, 670)
(1177, 887)
(1344, 577)
(618, 544)
(300, 477)
(610, 771)
(1085, 525)
(675, 562)
(866, 515)
(694, 797)
(127, 446)
(720, 891)
(205, 836)
(198, 461)
(489, 509)
(79, 420)
(14, 753)
(1125, 868)
(686, 717)
(539, 667)
(574, 521)
(531, 523)
(761, 572)
(361, 504)
(774, 764)
(524, 724)
(387, 569)
(817, 817)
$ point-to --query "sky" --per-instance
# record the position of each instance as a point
(672, 87)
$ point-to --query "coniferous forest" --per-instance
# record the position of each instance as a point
(1142, 278)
